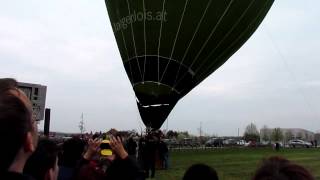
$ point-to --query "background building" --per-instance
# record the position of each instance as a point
(267, 134)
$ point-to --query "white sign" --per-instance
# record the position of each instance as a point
(37, 95)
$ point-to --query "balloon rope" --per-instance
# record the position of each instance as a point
(293, 76)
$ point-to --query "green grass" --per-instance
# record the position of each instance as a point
(236, 164)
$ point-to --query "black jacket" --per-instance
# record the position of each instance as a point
(126, 169)
(119, 169)
(14, 176)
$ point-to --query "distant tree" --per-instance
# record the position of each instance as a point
(299, 135)
(277, 134)
(251, 133)
(265, 134)
(182, 135)
(185, 133)
(317, 136)
(307, 136)
(288, 135)
(214, 135)
(172, 134)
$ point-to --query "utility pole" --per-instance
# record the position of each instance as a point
(81, 125)
(200, 129)
(47, 122)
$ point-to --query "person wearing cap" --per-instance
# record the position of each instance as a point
(18, 130)
(120, 165)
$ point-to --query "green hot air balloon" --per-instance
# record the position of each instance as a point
(169, 46)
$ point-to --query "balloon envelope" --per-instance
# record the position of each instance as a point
(170, 46)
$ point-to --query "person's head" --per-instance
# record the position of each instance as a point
(43, 163)
(278, 168)
(200, 171)
(72, 151)
(18, 130)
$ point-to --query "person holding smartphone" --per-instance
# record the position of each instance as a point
(110, 159)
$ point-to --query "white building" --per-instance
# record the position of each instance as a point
(288, 134)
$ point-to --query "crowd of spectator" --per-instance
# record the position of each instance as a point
(101, 156)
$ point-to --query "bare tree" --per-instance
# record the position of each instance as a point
(299, 135)
(317, 137)
(277, 135)
(288, 135)
(265, 134)
(172, 134)
(251, 133)
(307, 136)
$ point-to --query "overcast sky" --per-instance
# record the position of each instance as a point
(273, 80)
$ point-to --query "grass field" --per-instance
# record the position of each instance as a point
(236, 164)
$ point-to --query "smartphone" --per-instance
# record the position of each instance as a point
(105, 148)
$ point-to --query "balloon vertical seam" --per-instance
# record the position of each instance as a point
(196, 31)
(134, 43)
(159, 41)
(182, 16)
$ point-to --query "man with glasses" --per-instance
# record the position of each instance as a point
(18, 130)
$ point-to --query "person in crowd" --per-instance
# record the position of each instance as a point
(43, 163)
(164, 154)
(141, 148)
(149, 155)
(279, 168)
(88, 167)
(18, 130)
(118, 166)
(277, 146)
(131, 147)
(72, 151)
(200, 171)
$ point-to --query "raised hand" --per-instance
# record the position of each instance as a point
(93, 148)
(117, 147)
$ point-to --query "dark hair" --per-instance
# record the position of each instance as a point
(15, 119)
(7, 84)
(90, 172)
(72, 151)
(42, 160)
(279, 168)
(200, 171)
